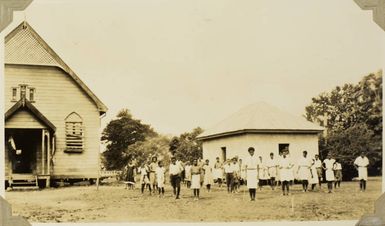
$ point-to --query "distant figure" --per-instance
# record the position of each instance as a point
(303, 170)
(208, 175)
(144, 181)
(314, 175)
(229, 171)
(160, 179)
(278, 179)
(195, 179)
(251, 164)
(187, 170)
(242, 173)
(175, 171)
(272, 166)
(337, 173)
(262, 173)
(361, 163)
(153, 166)
(318, 166)
(130, 169)
(329, 173)
(236, 174)
(201, 163)
(218, 172)
(286, 170)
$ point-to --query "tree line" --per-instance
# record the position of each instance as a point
(352, 116)
(127, 138)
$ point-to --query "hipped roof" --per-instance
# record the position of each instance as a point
(24, 46)
(260, 118)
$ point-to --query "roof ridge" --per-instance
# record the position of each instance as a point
(61, 64)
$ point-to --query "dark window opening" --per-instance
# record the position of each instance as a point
(282, 147)
(223, 153)
(32, 94)
(14, 94)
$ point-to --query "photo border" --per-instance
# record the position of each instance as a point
(6, 17)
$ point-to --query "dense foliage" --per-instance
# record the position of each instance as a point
(352, 116)
(121, 133)
(186, 147)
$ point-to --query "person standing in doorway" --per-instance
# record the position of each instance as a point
(329, 173)
(361, 163)
(251, 164)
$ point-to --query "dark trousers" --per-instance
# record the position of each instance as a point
(285, 187)
(175, 183)
(230, 181)
(362, 185)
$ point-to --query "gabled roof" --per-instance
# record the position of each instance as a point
(24, 46)
(25, 104)
(260, 118)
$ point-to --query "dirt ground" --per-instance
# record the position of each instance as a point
(112, 203)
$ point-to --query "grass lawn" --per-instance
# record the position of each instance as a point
(115, 204)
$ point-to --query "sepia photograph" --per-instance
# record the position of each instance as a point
(161, 111)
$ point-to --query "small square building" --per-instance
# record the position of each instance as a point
(264, 127)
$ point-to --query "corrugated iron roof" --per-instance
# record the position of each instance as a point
(261, 117)
(24, 46)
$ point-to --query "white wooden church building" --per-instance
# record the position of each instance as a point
(52, 119)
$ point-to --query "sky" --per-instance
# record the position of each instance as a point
(179, 64)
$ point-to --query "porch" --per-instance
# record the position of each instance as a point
(29, 156)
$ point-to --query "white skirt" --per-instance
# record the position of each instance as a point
(272, 172)
(217, 173)
(304, 173)
(286, 174)
(208, 178)
(314, 179)
(251, 177)
(329, 173)
(362, 173)
(196, 181)
(160, 181)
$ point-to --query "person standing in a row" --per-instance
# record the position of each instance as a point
(175, 176)
(361, 163)
(272, 166)
(195, 178)
(251, 165)
(229, 171)
(329, 173)
(318, 166)
(286, 171)
(303, 171)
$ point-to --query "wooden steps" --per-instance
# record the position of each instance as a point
(23, 181)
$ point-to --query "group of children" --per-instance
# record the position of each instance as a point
(272, 171)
